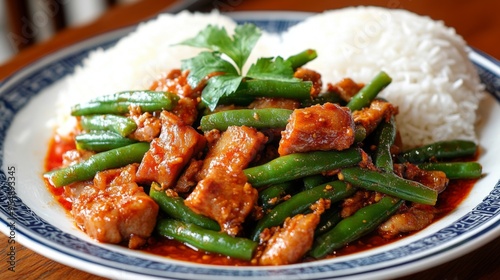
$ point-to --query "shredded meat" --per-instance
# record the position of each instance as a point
(435, 180)
(170, 152)
(288, 244)
(115, 209)
(222, 192)
(371, 117)
(148, 126)
(310, 75)
(319, 127)
(414, 218)
(346, 88)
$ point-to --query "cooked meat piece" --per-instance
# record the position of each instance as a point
(414, 218)
(186, 109)
(435, 180)
(222, 192)
(72, 191)
(75, 156)
(319, 127)
(228, 200)
(346, 88)
(232, 150)
(176, 82)
(148, 126)
(170, 152)
(357, 201)
(115, 208)
(267, 102)
(212, 137)
(371, 117)
(288, 244)
(187, 180)
(310, 75)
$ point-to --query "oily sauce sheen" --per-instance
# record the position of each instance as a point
(448, 200)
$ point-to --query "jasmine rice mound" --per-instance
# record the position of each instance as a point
(435, 86)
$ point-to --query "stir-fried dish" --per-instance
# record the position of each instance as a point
(266, 167)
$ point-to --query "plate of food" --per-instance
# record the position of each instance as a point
(354, 143)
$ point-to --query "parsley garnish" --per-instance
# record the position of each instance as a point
(230, 68)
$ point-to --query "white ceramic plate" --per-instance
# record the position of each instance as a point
(26, 102)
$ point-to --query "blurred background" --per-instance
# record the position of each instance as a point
(41, 19)
(24, 23)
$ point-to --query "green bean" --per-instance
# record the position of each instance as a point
(87, 169)
(351, 228)
(207, 240)
(455, 170)
(365, 96)
(250, 89)
(314, 181)
(302, 58)
(175, 208)
(439, 150)
(386, 134)
(257, 118)
(100, 141)
(389, 183)
(273, 195)
(334, 191)
(119, 124)
(298, 165)
(119, 103)
(359, 133)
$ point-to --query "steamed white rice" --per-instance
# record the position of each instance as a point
(434, 84)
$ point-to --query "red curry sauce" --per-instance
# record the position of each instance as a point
(448, 200)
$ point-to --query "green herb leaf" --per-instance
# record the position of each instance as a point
(245, 38)
(269, 68)
(212, 37)
(216, 39)
(266, 76)
(218, 87)
(204, 64)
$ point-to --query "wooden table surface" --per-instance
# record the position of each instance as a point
(477, 21)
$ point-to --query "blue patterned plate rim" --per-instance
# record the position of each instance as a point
(462, 236)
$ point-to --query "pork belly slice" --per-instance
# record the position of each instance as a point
(288, 244)
(317, 128)
(187, 179)
(226, 199)
(232, 150)
(312, 76)
(346, 88)
(222, 192)
(170, 152)
(370, 117)
(115, 209)
(415, 218)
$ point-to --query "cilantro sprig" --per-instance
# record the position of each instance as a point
(227, 56)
